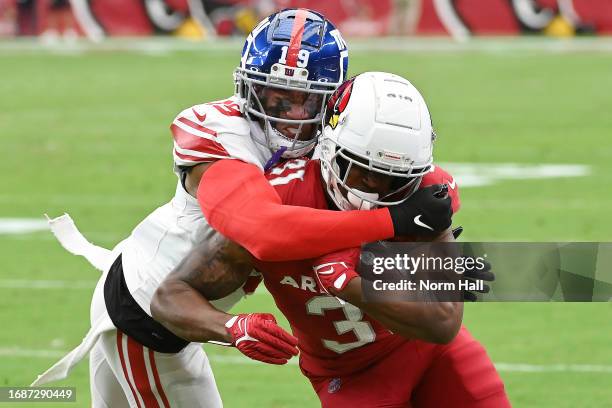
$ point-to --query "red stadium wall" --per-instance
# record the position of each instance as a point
(598, 12)
(353, 17)
(122, 17)
(498, 17)
(492, 17)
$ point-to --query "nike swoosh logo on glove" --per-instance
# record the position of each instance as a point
(327, 272)
(331, 269)
(417, 221)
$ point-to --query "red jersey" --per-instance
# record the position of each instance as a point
(335, 337)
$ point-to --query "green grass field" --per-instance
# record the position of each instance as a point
(87, 133)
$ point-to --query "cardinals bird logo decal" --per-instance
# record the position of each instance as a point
(338, 101)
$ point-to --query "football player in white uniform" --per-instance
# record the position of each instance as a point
(393, 351)
(291, 62)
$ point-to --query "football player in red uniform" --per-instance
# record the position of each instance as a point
(376, 151)
(290, 64)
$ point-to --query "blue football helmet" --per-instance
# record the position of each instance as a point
(291, 63)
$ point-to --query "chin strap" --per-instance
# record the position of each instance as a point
(275, 158)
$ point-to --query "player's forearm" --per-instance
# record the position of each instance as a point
(213, 269)
(238, 201)
(186, 313)
(435, 322)
(310, 233)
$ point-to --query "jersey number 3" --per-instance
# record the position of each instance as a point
(362, 330)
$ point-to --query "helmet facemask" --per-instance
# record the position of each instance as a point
(337, 163)
(269, 98)
(377, 138)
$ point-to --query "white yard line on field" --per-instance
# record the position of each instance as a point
(156, 46)
(67, 284)
(484, 174)
(465, 174)
(22, 225)
(18, 352)
(552, 368)
(30, 353)
(46, 284)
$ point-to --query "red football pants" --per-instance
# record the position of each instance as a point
(421, 375)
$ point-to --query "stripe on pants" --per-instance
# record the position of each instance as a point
(124, 366)
(135, 352)
(158, 383)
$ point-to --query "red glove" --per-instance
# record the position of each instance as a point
(335, 270)
(257, 336)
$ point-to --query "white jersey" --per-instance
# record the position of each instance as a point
(216, 130)
(202, 133)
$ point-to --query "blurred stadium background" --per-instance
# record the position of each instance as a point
(523, 123)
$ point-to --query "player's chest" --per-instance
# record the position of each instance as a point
(297, 294)
(291, 280)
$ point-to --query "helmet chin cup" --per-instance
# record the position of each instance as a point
(294, 148)
(360, 200)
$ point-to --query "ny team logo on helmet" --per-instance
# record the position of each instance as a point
(292, 50)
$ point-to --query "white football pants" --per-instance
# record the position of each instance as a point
(124, 373)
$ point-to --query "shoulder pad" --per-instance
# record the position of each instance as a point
(212, 131)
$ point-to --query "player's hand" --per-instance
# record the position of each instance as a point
(334, 271)
(426, 212)
(259, 337)
(475, 274)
